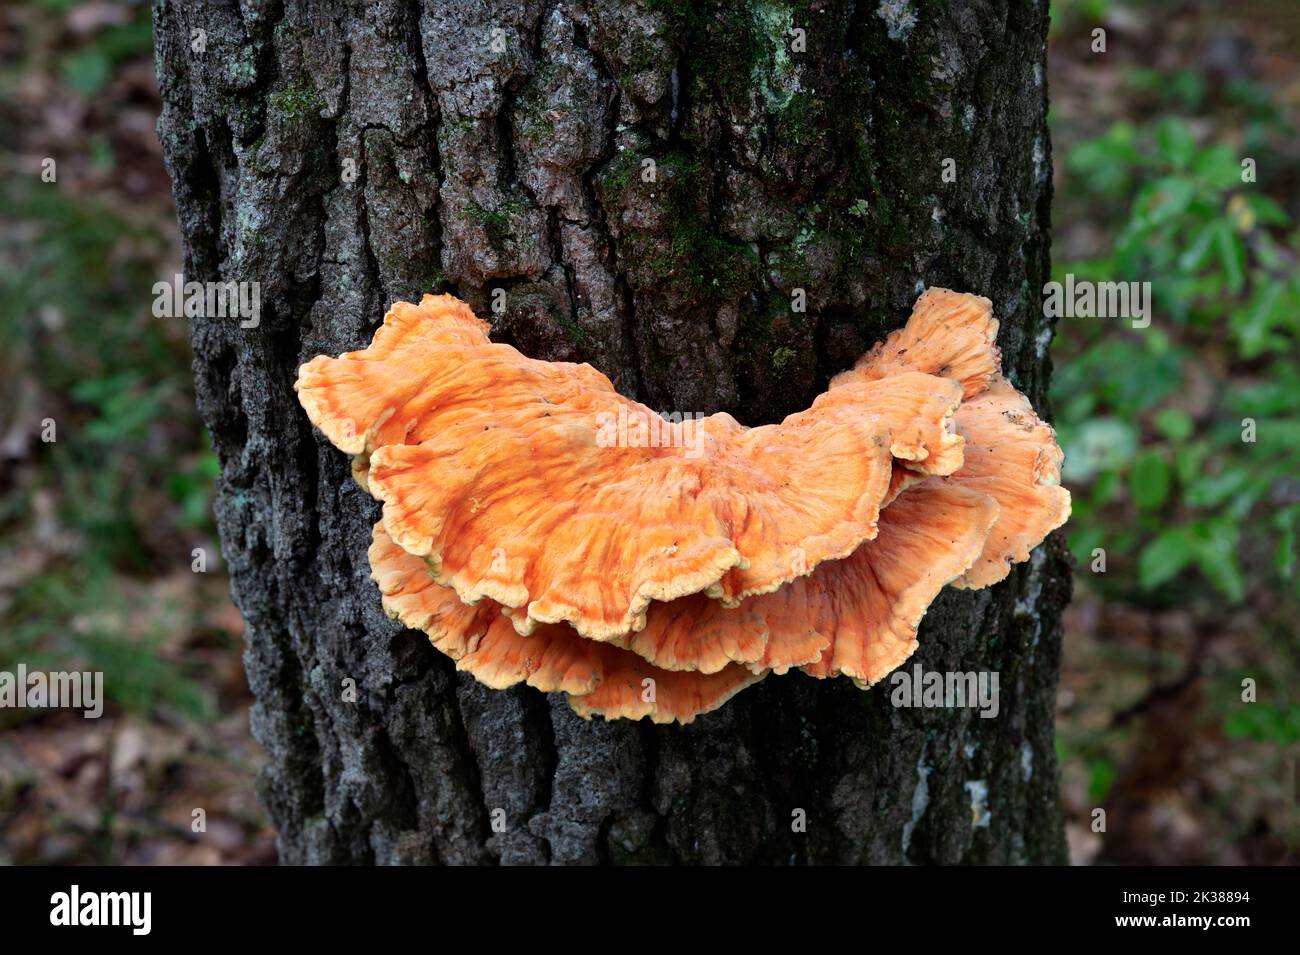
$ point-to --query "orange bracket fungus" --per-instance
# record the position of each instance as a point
(660, 577)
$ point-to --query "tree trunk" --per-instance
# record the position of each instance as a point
(348, 154)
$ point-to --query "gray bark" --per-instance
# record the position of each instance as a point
(501, 145)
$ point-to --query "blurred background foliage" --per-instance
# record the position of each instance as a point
(1177, 164)
(1198, 591)
(99, 527)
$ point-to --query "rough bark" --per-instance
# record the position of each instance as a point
(501, 145)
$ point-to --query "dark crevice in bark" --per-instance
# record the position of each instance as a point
(659, 848)
(468, 759)
(629, 309)
(537, 711)
(609, 148)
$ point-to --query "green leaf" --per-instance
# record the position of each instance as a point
(1190, 459)
(86, 71)
(1232, 256)
(1218, 166)
(1274, 398)
(1102, 772)
(1198, 252)
(1211, 490)
(1149, 481)
(1107, 162)
(1266, 723)
(1084, 542)
(1268, 253)
(1176, 142)
(1215, 545)
(1165, 557)
(1284, 557)
(1175, 424)
(1254, 323)
(127, 40)
(1103, 489)
(1279, 436)
(1267, 211)
(1100, 444)
(1164, 200)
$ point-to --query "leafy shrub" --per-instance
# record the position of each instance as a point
(1183, 439)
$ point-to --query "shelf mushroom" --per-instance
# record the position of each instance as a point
(659, 581)
(599, 677)
(490, 467)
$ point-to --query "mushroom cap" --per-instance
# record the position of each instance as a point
(353, 399)
(867, 607)
(768, 632)
(1012, 456)
(949, 334)
(1010, 453)
(928, 537)
(412, 596)
(599, 678)
(517, 491)
(679, 695)
(858, 615)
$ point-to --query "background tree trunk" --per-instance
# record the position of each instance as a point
(347, 154)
